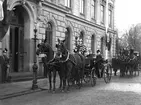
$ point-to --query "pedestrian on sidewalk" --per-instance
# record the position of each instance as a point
(4, 60)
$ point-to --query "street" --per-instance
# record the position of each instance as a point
(121, 91)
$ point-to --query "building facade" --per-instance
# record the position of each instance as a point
(88, 19)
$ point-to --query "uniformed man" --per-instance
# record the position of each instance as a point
(4, 60)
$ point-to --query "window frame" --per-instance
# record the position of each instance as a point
(68, 3)
(93, 7)
(103, 4)
(110, 10)
(110, 18)
(81, 37)
(82, 6)
(49, 32)
(102, 7)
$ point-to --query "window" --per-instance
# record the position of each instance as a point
(93, 44)
(81, 38)
(67, 38)
(110, 15)
(93, 9)
(102, 13)
(82, 6)
(48, 33)
(110, 18)
(68, 3)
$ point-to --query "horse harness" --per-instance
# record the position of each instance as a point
(68, 58)
(51, 62)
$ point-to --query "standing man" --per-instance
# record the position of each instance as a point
(98, 64)
(4, 60)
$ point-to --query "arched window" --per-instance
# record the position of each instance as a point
(48, 33)
(81, 37)
(67, 38)
(102, 45)
(93, 44)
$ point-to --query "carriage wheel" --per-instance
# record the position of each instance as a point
(93, 77)
(107, 73)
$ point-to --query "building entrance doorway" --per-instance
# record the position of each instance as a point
(16, 40)
(16, 48)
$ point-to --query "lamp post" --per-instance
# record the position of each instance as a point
(35, 66)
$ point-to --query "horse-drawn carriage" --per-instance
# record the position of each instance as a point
(127, 62)
(90, 71)
(71, 67)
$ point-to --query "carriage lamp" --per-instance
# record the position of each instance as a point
(35, 66)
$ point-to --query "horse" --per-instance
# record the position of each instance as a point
(74, 65)
(120, 62)
(51, 63)
(133, 62)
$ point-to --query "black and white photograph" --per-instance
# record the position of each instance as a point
(70, 52)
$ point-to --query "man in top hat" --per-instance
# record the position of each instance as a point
(4, 60)
(98, 64)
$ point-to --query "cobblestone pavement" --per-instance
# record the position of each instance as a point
(121, 91)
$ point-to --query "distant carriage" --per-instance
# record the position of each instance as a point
(127, 62)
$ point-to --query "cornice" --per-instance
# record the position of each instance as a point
(54, 6)
(85, 21)
(69, 15)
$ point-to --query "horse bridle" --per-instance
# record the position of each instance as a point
(50, 61)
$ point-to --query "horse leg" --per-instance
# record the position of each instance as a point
(64, 84)
(78, 80)
(68, 85)
(50, 84)
(82, 76)
(68, 80)
(61, 79)
(46, 68)
(54, 79)
(63, 76)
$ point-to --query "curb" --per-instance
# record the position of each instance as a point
(21, 93)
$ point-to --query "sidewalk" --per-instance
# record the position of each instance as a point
(14, 89)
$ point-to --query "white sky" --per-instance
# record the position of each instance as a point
(127, 12)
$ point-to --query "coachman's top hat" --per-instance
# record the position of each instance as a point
(5, 50)
(98, 51)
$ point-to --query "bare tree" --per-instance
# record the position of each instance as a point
(132, 38)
